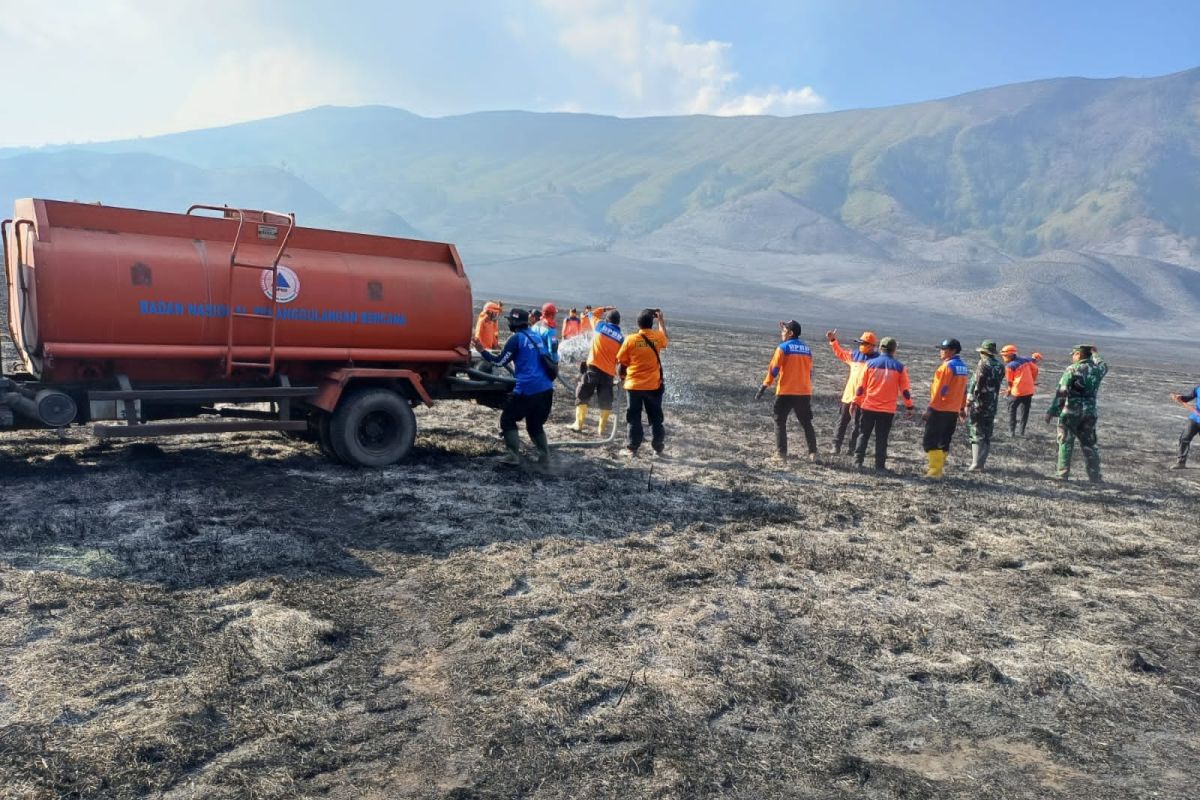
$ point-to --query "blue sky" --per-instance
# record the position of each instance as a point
(100, 69)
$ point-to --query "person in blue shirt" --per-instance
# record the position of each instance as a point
(533, 395)
(1193, 423)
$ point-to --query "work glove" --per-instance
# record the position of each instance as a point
(761, 391)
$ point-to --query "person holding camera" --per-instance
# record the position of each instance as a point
(640, 365)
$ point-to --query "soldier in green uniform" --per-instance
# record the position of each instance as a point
(983, 397)
(1075, 406)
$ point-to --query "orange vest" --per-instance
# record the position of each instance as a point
(792, 365)
(857, 360)
(949, 389)
(1022, 376)
(884, 379)
(606, 343)
(642, 372)
(487, 331)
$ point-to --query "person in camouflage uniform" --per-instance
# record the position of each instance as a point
(983, 398)
(1075, 406)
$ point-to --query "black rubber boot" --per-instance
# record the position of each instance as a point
(512, 443)
(543, 446)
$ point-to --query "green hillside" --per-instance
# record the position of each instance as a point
(1026, 167)
(1073, 203)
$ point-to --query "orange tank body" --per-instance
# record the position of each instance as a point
(99, 291)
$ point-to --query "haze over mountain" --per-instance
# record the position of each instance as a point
(1067, 203)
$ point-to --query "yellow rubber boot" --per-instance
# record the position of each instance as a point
(931, 457)
(604, 415)
(580, 416)
(939, 462)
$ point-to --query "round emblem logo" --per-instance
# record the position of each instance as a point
(287, 284)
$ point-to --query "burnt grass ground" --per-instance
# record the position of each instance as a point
(230, 616)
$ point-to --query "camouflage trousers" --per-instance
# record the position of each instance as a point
(979, 427)
(1083, 428)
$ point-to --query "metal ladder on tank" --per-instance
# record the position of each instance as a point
(263, 223)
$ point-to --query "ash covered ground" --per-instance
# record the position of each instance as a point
(232, 617)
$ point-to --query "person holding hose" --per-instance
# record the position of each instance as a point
(791, 366)
(851, 410)
(533, 395)
(983, 398)
(1075, 406)
(884, 380)
(640, 365)
(599, 372)
(1191, 427)
(947, 405)
(1022, 374)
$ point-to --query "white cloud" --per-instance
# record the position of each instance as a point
(264, 83)
(776, 101)
(126, 68)
(657, 69)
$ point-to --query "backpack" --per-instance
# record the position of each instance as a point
(549, 365)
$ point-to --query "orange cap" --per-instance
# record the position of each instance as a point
(1036, 356)
(1008, 350)
(549, 310)
(868, 337)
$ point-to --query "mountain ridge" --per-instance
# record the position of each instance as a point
(1107, 168)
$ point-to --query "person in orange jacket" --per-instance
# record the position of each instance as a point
(850, 410)
(884, 381)
(572, 325)
(1021, 374)
(598, 314)
(791, 366)
(640, 365)
(599, 371)
(947, 405)
(487, 325)
(588, 321)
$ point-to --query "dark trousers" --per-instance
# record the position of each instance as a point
(598, 383)
(533, 408)
(1018, 406)
(801, 406)
(651, 401)
(849, 416)
(939, 430)
(1185, 440)
(879, 423)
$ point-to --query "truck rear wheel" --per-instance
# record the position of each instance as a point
(372, 428)
(325, 439)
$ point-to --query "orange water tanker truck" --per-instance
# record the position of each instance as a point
(223, 320)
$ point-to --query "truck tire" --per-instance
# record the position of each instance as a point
(325, 439)
(372, 428)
